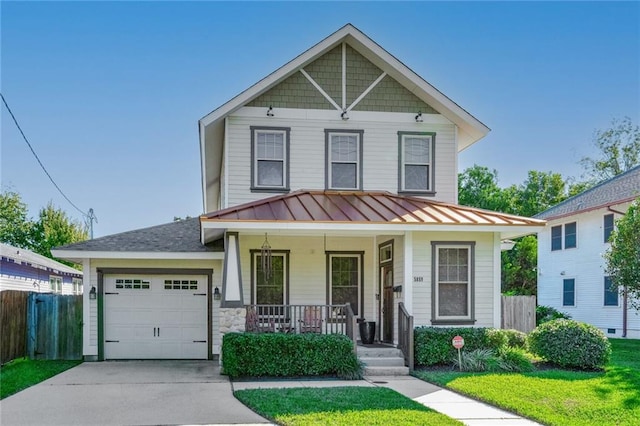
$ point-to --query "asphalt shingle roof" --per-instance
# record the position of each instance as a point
(181, 236)
(620, 189)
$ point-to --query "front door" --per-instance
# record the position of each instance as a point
(386, 277)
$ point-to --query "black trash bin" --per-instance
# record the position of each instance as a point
(367, 332)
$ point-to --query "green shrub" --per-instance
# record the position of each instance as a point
(496, 338)
(477, 360)
(570, 343)
(514, 360)
(516, 339)
(432, 345)
(547, 313)
(285, 355)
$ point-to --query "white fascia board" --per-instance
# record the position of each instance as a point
(273, 78)
(81, 254)
(203, 170)
(374, 227)
(511, 233)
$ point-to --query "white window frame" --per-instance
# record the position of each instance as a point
(285, 276)
(77, 285)
(470, 247)
(358, 257)
(55, 283)
(330, 162)
(255, 131)
(430, 138)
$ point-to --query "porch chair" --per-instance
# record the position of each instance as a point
(312, 322)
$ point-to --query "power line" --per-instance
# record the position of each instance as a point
(89, 217)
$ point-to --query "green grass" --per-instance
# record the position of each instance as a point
(560, 397)
(21, 373)
(349, 405)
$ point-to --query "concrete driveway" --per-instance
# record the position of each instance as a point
(130, 393)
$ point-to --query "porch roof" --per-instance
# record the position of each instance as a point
(360, 208)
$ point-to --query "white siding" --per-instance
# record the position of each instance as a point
(307, 152)
(586, 265)
(90, 348)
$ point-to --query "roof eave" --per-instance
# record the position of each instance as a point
(80, 255)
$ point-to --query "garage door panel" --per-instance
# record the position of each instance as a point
(160, 321)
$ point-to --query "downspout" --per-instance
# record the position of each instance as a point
(624, 312)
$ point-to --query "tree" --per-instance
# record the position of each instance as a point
(539, 191)
(15, 228)
(519, 267)
(623, 256)
(478, 187)
(618, 151)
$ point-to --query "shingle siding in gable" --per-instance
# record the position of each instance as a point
(391, 96)
(327, 72)
(360, 74)
(294, 92)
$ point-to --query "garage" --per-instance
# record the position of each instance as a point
(155, 316)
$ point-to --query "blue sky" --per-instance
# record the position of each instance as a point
(109, 94)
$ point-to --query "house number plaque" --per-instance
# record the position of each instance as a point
(418, 279)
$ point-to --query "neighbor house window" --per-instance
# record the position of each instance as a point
(453, 288)
(569, 292)
(416, 162)
(556, 238)
(344, 159)
(608, 226)
(270, 158)
(270, 288)
(610, 294)
(570, 235)
(345, 279)
(77, 286)
(55, 283)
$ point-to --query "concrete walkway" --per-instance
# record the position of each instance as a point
(467, 410)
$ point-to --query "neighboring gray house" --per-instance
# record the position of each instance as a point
(571, 267)
(378, 233)
(25, 270)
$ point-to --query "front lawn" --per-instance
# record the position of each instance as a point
(340, 406)
(560, 397)
(21, 373)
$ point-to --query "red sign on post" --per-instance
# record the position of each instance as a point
(457, 342)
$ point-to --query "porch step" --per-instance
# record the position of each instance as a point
(382, 361)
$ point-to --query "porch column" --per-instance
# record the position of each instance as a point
(232, 278)
(408, 272)
(497, 284)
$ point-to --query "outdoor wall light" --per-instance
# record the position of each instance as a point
(344, 115)
(216, 294)
(92, 293)
(270, 111)
(419, 117)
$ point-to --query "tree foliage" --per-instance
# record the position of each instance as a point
(623, 256)
(519, 273)
(53, 227)
(618, 151)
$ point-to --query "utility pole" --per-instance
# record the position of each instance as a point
(91, 217)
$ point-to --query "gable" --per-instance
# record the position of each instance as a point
(367, 87)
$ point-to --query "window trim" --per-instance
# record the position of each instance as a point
(254, 264)
(608, 229)
(557, 238)
(360, 256)
(432, 164)
(435, 318)
(565, 235)
(604, 301)
(59, 280)
(327, 153)
(575, 293)
(255, 187)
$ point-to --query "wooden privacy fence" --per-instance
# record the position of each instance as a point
(40, 326)
(519, 313)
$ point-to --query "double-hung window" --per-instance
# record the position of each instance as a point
(610, 294)
(270, 278)
(345, 279)
(270, 158)
(570, 236)
(416, 172)
(569, 292)
(55, 283)
(608, 227)
(344, 159)
(453, 278)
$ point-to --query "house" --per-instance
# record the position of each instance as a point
(25, 270)
(329, 192)
(571, 267)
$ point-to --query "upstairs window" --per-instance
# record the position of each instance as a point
(416, 162)
(556, 238)
(608, 227)
(344, 159)
(270, 159)
(570, 236)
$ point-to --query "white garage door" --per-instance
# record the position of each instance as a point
(155, 317)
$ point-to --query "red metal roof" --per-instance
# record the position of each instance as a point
(362, 207)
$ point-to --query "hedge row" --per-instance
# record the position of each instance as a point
(289, 355)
